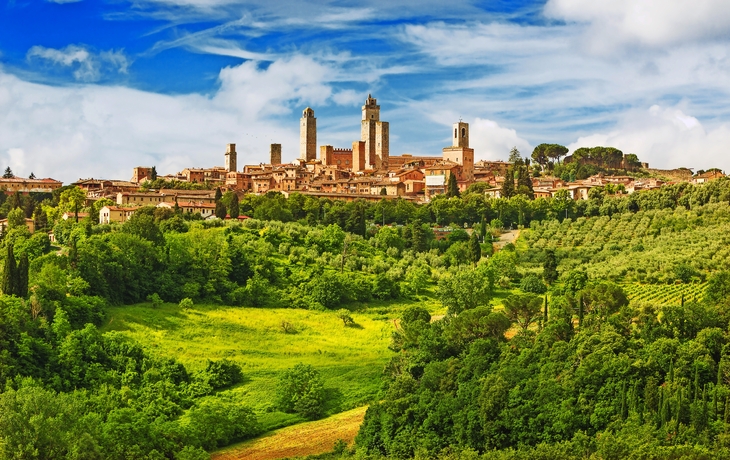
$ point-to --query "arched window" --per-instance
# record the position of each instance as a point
(455, 133)
(463, 132)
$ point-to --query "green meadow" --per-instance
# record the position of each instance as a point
(350, 359)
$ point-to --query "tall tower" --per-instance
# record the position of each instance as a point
(231, 157)
(459, 152)
(375, 134)
(275, 154)
(308, 136)
(461, 135)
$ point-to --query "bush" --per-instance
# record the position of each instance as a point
(155, 300)
(301, 390)
(221, 374)
(533, 284)
(186, 303)
(345, 316)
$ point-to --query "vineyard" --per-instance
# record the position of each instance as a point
(665, 294)
(645, 247)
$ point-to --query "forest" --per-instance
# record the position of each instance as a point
(545, 348)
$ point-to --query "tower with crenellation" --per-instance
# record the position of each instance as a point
(308, 136)
(375, 134)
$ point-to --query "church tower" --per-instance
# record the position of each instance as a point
(375, 134)
(459, 152)
(231, 157)
(308, 136)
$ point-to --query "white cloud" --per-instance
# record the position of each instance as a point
(666, 137)
(645, 22)
(88, 67)
(493, 142)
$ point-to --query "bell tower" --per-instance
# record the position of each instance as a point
(231, 157)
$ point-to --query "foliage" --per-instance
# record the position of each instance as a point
(301, 390)
(533, 284)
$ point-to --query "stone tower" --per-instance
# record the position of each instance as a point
(460, 152)
(308, 136)
(461, 135)
(275, 154)
(375, 134)
(231, 157)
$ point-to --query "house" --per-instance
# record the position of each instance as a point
(191, 207)
(142, 199)
(22, 185)
(30, 223)
(71, 215)
(118, 214)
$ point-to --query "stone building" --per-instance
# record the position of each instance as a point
(231, 158)
(308, 136)
(375, 134)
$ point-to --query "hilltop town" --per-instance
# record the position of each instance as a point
(363, 171)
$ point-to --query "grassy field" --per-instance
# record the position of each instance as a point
(350, 359)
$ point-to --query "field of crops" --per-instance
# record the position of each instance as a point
(644, 247)
(665, 294)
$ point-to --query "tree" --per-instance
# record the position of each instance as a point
(301, 390)
(233, 207)
(539, 155)
(524, 309)
(346, 317)
(604, 299)
(550, 267)
(465, 289)
(16, 218)
(452, 187)
(508, 186)
(533, 284)
(220, 210)
(524, 182)
(9, 272)
(72, 200)
(556, 151)
(32, 176)
(8, 173)
(475, 249)
(718, 287)
(153, 173)
(21, 287)
(515, 157)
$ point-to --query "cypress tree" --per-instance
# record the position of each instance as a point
(234, 209)
(545, 310)
(9, 272)
(580, 311)
(671, 371)
(475, 249)
(550, 267)
(176, 208)
(726, 417)
(524, 182)
(452, 187)
(21, 288)
(679, 411)
(483, 229)
(508, 186)
(624, 408)
(218, 194)
(697, 385)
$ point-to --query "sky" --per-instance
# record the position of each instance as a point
(93, 88)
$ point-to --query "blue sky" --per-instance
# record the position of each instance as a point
(94, 88)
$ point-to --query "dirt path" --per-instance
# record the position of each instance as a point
(509, 236)
(307, 438)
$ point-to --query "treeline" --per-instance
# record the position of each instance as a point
(471, 207)
(596, 378)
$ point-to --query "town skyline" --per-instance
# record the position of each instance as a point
(93, 86)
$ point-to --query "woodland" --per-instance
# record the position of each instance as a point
(602, 332)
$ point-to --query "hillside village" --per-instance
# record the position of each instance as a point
(363, 171)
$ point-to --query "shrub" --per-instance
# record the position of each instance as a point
(155, 300)
(345, 316)
(221, 374)
(186, 303)
(533, 284)
(301, 390)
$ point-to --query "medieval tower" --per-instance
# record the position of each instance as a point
(459, 151)
(275, 154)
(231, 157)
(308, 136)
(375, 134)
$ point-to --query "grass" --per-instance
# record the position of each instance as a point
(350, 359)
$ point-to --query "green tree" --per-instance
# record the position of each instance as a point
(524, 309)
(21, 287)
(465, 289)
(8, 173)
(508, 186)
(153, 173)
(452, 186)
(550, 267)
(475, 249)
(556, 151)
(718, 287)
(16, 219)
(233, 207)
(524, 182)
(533, 284)
(515, 157)
(9, 272)
(72, 200)
(301, 390)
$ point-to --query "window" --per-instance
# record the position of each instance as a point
(463, 132)
(455, 132)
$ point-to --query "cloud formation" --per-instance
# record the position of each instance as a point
(88, 66)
